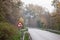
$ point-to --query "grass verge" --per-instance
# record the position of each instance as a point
(54, 31)
(26, 36)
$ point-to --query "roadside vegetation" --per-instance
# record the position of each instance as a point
(7, 18)
(8, 32)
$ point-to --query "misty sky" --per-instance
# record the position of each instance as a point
(43, 3)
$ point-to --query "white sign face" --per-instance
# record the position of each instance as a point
(20, 25)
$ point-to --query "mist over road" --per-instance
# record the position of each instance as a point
(38, 34)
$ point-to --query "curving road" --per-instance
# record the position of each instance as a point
(38, 34)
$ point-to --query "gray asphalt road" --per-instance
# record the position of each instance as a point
(38, 34)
